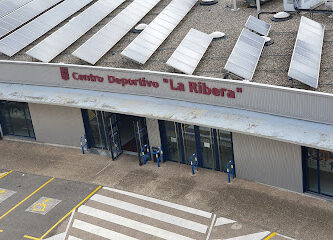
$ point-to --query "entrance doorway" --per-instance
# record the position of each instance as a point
(127, 137)
(213, 147)
(114, 132)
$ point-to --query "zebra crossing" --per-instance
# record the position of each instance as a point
(228, 229)
(116, 214)
(121, 215)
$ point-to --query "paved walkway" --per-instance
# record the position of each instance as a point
(251, 205)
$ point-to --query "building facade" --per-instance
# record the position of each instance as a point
(274, 135)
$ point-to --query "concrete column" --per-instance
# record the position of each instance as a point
(153, 132)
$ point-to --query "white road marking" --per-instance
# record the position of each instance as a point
(73, 238)
(211, 227)
(158, 232)
(99, 231)
(222, 221)
(285, 236)
(163, 203)
(254, 236)
(69, 223)
(164, 217)
(60, 236)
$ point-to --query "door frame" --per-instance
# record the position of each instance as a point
(109, 133)
(138, 137)
(164, 143)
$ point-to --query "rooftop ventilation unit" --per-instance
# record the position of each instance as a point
(291, 5)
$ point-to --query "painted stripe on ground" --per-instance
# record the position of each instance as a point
(222, 221)
(158, 232)
(270, 236)
(254, 236)
(285, 236)
(164, 217)
(156, 207)
(164, 203)
(74, 238)
(99, 231)
(60, 236)
(4, 174)
(135, 217)
(211, 227)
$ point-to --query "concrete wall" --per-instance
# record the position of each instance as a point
(57, 125)
(268, 161)
(153, 132)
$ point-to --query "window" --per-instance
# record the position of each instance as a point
(319, 171)
(15, 119)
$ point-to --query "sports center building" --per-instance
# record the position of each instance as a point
(75, 67)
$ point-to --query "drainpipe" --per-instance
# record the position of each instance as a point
(260, 13)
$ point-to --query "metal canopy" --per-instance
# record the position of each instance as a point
(190, 51)
(144, 45)
(244, 57)
(8, 6)
(258, 25)
(24, 14)
(73, 30)
(100, 43)
(25, 35)
(305, 61)
(295, 131)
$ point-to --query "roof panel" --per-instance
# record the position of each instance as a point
(190, 57)
(305, 61)
(87, 51)
(244, 57)
(75, 28)
(44, 23)
(32, 9)
(258, 25)
(182, 6)
(8, 6)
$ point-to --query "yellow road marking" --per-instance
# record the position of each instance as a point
(31, 237)
(270, 236)
(64, 217)
(40, 206)
(5, 174)
(13, 208)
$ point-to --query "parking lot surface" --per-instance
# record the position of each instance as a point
(32, 207)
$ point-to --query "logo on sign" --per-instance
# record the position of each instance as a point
(64, 73)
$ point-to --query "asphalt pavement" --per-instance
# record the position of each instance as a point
(32, 206)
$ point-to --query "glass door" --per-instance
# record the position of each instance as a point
(112, 133)
(172, 135)
(207, 148)
(95, 131)
(189, 143)
(224, 149)
(141, 135)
